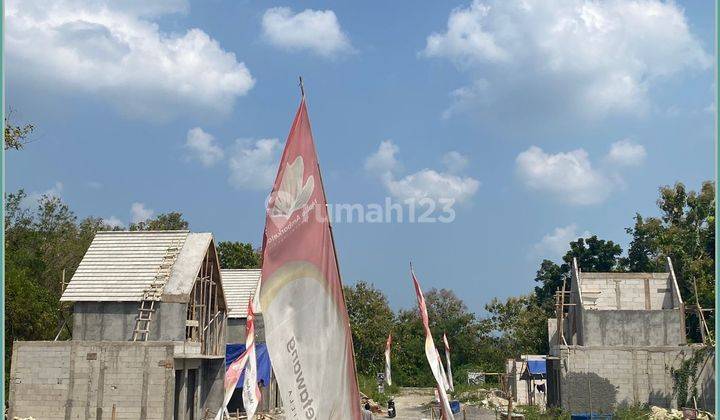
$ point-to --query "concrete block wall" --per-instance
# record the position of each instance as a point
(633, 328)
(115, 321)
(84, 380)
(601, 378)
(627, 291)
(236, 330)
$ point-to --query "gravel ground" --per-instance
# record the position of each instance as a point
(409, 405)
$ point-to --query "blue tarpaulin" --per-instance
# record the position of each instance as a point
(537, 367)
(233, 351)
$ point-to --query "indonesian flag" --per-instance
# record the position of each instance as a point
(251, 391)
(447, 357)
(432, 354)
(388, 378)
(232, 375)
(306, 323)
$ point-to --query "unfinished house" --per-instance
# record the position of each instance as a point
(148, 335)
(240, 286)
(614, 341)
(527, 380)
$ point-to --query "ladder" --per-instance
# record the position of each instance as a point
(154, 293)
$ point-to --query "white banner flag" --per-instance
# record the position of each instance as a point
(432, 354)
(449, 368)
(388, 378)
(251, 392)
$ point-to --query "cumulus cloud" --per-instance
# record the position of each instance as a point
(203, 147)
(597, 58)
(312, 30)
(53, 192)
(454, 161)
(426, 183)
(254, 164)
(554, 244)
(140, 213)
(626, 153)
(569, 176)
(118, 51)
(114, 222)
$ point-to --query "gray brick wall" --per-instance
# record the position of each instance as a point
(601, 378)
(84, 380)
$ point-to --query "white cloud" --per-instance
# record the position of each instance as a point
(596, 58)
(454, 161)
(626, 153)
(114, 222)
(569, 176)
(383, 160)
(314, 30)
(140, 213)
(253, 165)
(426, 183)
(53, 192)
(118, 51)
(554, 245)
(203, 147)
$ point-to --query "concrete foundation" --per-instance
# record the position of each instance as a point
(92, 380)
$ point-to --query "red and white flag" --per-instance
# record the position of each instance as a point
(447, 357)
(251, 392)
(306, 323)
(432, 354)
(388, 378)
(232, 375)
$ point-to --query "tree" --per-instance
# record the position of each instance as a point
(163, 221)
(520, 323)
(16, 136)
(592, 254)
(371, 320)
(234, 255)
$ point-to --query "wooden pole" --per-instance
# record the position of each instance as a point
(114, 411)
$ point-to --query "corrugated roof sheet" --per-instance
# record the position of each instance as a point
(239, 287)
(119, 266)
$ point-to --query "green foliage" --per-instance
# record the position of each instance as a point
(16, 136)
(369, 387)
(371, 320)
(521, 325)
(685, 378)
(532, 412)
(632, 412)
(163, 221)
(236, 255)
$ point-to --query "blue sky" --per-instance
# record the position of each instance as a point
(544, 120)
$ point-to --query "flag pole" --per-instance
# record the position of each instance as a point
(302, 88)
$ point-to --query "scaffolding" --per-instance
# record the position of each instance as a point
(206, 317)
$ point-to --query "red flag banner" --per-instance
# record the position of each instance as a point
(306, 323)
(432, 354)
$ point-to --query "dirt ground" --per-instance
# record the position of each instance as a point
(410, 401)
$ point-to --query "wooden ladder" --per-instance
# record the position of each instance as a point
(154, 293)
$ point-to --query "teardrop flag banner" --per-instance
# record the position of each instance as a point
(388, 378)
(306, 323)
(251, 392)
(232, 375)
(447, 357)
(432, 354)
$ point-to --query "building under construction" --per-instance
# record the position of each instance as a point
(615, 341)
(148, 335)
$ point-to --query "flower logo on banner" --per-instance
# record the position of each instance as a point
(293, 194)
